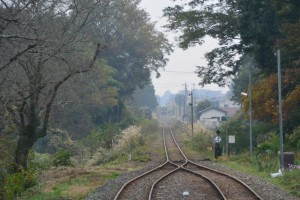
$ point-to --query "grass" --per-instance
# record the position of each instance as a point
(290, 181)
(77, 182)
(72, 183)
(261, 167)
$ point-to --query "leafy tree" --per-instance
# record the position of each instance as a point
(85, 102)
(240, 83)
(136, 48)
(265, 99)
(180, 99)
(238, 125)
(202, 105)
(257, 27)
(144, 98)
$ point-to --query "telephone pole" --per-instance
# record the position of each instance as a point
(250, 107)
(280, 110)
(184, 102)
(179, 107)
(192, 111)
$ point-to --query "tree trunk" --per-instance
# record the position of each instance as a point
(25, 143)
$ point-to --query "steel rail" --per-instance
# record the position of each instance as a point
(184, 169)
(227, 175)
(149, 171)
(216, 171)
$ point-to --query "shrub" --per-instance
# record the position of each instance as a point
(101, 138)
(129, 139)
(42, 161)
(293, 140)
(266, 156)
(291, 180)
(62, 158)
(55, 140)
(16, 183)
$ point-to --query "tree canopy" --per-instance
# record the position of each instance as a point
(265, 99)
(241, 27)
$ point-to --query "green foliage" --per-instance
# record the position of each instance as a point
(16, 183)
(129, 139)
(7, 146)
(42, 161)
(62, 158)
(261, 26)
(266, 155)
(293, 140)
(102, 136)
(55, 140)
(202, 105)
(92, 98)
(291, 180)
(149, 127)
(144, 97)
(127, 143)
(239, 126)
(134, 44)
(140, 154)
(200, 142)
(141, 113)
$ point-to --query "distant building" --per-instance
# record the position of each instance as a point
(211, 117)
(230, 107)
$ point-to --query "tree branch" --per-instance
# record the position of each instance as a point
(11, 60)
(17, 37)
(57, 86)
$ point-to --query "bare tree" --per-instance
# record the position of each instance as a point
(42, 45)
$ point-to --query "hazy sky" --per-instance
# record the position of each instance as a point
(182, 63)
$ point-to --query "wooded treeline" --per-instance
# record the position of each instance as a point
(73, 65)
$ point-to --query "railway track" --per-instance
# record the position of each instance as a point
(180, 178)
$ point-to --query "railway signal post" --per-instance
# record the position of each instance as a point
(218, 148)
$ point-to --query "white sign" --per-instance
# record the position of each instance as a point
(231, 139)
(217, 139)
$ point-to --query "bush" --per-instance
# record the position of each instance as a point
(293, 140)
(291, 179)
(42, 161)
(16, 183)
(266, 156)
(62, 158)
(129, 139)
(55, 140)
(101, 138)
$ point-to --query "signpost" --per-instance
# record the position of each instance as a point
(231, 140)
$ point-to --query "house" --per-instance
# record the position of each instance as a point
(211, 117)
(230, 107)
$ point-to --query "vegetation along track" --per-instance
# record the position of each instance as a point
(180, 178)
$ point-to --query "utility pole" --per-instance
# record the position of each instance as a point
(250, 106)
(280, 110)
(179, 107)
(192, 111)
(184, 102)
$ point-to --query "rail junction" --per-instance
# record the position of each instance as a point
(180, 178)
